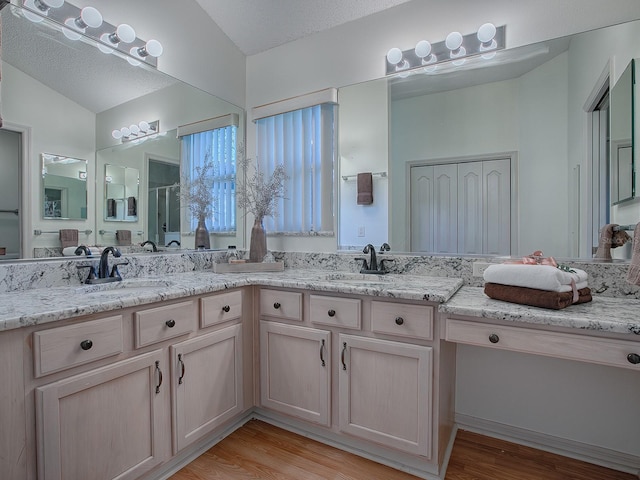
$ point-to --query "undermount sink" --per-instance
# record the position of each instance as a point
(358, 278)
(131, 285)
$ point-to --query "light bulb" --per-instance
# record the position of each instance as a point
(133, 61)
(144, 126)
(32, 17)
(104, 38)
(45, 5)
(152, 47)
(124, 33)
(423, 49)
(125, 131)
(486, 33)
(134, 129)
(453, 41)
(89, 17)
(70, 30)
(117, 134)
(394, 56)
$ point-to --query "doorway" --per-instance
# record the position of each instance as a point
(10, 195)
(163, 220)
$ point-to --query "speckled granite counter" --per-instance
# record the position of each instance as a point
(43, 305)
(603, 314)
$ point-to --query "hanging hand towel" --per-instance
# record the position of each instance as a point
(365, 189)
(132, 210)
(604, 241)
(68, 237)
(633, 275)
(111, 207)
(123, 237)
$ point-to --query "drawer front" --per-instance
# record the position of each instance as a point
(220, 308)
(279, 304)
(154, 325)
(415, 321)
(335, 311)
(64, 347)
(604, 351)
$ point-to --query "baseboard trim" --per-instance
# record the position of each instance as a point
(569, 448)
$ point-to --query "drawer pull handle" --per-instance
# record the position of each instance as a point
(86, 344)
(226, 309)
(331, 313)
(399, 320)
(170, 323)
(159, 377)
(321, 354)
(633, 358)
(276, 305)
(344, 351)
(493, 338)
(182, 369)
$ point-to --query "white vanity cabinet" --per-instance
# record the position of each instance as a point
(127, 393)
(376, 390)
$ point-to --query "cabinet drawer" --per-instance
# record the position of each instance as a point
(157, 324)
(220, 308)
(279, 304)
(415, 321)
(335, 311)
(64, 347)
(604, 351)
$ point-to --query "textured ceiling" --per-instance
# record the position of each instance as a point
(258, 25)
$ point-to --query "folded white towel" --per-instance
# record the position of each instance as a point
(542, 277)
(71, 251)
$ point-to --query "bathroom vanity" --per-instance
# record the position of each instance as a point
(365, 363)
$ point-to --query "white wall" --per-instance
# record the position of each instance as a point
(355, 52)
(363, 139)
(67, 130)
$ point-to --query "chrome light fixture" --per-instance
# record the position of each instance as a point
(456, 48)
(136, 131)
(87, 24)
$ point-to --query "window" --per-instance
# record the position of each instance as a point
(218, 144)
(303, 140)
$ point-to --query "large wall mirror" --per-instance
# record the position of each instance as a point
(621, 136)
(458, 144)
(64, 187)
(68, 97)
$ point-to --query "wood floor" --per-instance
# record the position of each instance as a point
(261, 451)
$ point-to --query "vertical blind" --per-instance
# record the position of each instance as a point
(219, 146)
(303, 141)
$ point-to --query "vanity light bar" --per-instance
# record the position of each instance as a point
(456, 49)
(137, 131)
(87, 24)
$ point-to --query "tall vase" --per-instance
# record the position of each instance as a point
(258, 246)
(202, 234)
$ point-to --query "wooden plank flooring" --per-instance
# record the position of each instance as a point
(261, 451)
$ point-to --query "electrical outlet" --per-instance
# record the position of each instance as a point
(479, 268)
(361, 231)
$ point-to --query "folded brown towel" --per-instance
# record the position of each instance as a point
(68, 237)
(633, 275)
(604, 241)
(535, 297)
(365, 189)
(123, 237)
(132, 209)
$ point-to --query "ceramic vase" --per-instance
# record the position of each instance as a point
(258, 246)
(202, 234)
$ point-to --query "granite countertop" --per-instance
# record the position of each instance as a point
(603, 314)
(44, 305)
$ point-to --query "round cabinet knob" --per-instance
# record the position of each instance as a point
(86, 344)
(633, 358)
(226, 308)
(493, 338)
(399, 320)
(331, 313)
(170, 323)
(276, 305)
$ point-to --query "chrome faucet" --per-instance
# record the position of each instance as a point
(103, 266)
(373, 260)
(82, 249)
(149, 242)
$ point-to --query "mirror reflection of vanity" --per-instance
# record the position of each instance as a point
(531, 105)
(64, 187)
(67, 97)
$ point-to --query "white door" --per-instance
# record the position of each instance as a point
(470, 216)
(10, 208)
(421, 209)
(497, 207)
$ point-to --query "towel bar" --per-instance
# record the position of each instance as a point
(624, 227)
(381, 174)
(40, 232)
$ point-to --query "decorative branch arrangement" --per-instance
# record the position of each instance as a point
(196, 192)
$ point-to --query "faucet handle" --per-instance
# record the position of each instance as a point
(92, 272)
(114, 270)
(385, 247)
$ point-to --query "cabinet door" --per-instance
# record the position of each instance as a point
(385, 392)
(206, 383)
(294, 371)
(103, 424)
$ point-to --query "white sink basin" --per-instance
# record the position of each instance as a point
(358, 278)
(127, 286)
